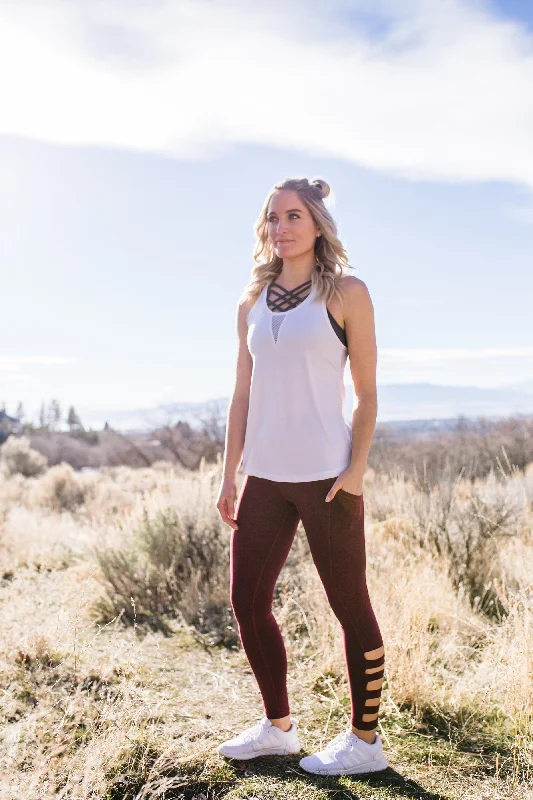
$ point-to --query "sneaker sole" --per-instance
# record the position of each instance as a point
(360, 769)
(278, 751)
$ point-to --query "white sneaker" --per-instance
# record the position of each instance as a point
(347, 754)
(262, 739)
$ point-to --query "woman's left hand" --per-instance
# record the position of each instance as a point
(352, 484)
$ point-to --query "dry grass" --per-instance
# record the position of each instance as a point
(120, 669)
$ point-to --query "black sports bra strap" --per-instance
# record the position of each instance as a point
(287, 297)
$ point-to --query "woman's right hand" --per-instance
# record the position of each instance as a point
(226, 502)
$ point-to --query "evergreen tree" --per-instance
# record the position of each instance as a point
(73, 421)
(54, 414)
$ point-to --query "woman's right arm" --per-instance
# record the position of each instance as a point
(236, 421)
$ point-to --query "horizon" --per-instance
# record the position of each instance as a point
(122, 292)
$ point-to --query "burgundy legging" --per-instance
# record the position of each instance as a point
(268, 513)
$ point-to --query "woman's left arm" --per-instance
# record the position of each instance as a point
(362, 351)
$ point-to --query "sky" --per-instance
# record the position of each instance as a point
(139, 139)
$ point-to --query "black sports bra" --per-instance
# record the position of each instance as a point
(281, 299)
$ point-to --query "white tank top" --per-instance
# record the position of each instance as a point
(296, 428)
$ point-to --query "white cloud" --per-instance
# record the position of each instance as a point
(442, 91)
(419, 354)
(15, 363)
(14, 370)
(484, 367)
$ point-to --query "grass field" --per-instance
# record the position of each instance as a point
(121, 667)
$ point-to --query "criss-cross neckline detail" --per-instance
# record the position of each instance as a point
(286, 296)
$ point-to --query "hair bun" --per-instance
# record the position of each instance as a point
(323, 186)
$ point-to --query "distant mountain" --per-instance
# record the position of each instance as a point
(148, 418)
(405, 401)
(421, 403)
(523, 386)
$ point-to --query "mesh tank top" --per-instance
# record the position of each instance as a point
(296, 427)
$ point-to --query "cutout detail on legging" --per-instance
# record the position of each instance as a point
(375, 660)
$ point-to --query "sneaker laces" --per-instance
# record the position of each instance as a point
(341, 742)
(254, 731)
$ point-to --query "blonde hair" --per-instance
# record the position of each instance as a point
(331, 259)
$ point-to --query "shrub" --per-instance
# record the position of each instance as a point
(18, 457)
(60, 489)
(466, 523)
(175, 567)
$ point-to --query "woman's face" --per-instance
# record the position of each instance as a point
(290, 225)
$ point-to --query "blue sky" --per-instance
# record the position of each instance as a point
(137, 144)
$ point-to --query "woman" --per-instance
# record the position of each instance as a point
(297, 321)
